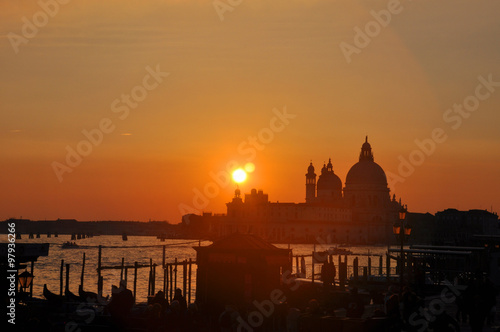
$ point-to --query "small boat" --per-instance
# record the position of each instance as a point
(91, 296)
(51, 297)
(69, 245)
(71, 297)
(87, 296)
(339, 251)
(124, 237)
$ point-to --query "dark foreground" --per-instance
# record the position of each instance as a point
(471, 308)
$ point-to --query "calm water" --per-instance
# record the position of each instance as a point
(143, 248)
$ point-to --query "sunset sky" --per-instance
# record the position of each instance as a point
(212, 80)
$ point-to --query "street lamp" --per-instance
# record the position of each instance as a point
(25, 279)
(402, 233)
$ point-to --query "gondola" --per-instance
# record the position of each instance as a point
(71, 297)
(51, 297)
(91, 296)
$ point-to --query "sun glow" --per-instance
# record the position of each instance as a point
(249, 167)
(239, 175)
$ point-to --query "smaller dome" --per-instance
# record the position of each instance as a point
(329, 181)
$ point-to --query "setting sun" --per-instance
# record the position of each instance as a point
(239, 175)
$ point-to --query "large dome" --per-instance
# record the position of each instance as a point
(366, 171)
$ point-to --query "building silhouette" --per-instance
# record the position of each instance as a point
(361, 212)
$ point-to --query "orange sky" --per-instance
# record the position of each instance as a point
(225, 78)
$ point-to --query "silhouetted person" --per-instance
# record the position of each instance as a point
(160, 299)
(122, 301)
(355, 305)
(328, 273)
(181, 299)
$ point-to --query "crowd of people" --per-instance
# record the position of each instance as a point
(398, 310)
(394, 310)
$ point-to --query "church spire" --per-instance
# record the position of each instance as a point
(329, 167)
(366, 151)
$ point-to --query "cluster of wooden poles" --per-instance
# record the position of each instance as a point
(342, 267)
(170, 272)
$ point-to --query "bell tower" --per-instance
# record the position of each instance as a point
(310, 184)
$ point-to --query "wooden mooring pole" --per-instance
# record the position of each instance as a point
(355, 268)
(153, 282)
(189, 281)
(67, 278)
(165, 280)
(175, 276)
(388, 266)
(312, 267)
(31, 286)
(171, 272)
(135, 281)
(184, 278)
(99, 279)
(150, 276)
(83, 270)
(121, 270)
(369, 266)
(163, 260)
(61, 278)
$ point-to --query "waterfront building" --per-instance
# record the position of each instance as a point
(361, 212)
